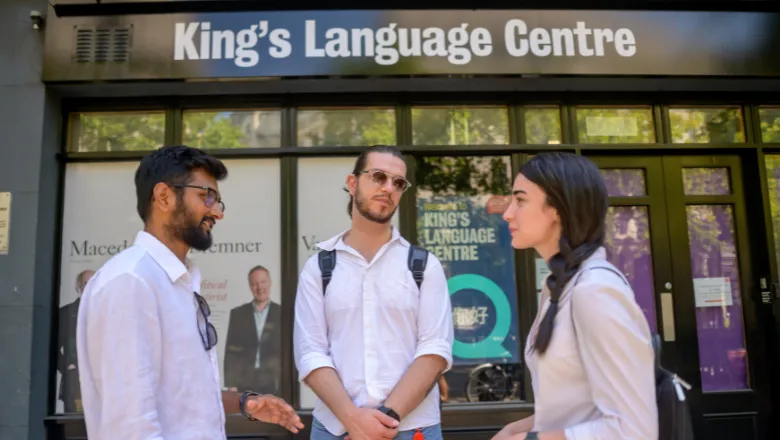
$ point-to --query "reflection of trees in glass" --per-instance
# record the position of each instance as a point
(460, 126)
(707, 125)
(119, 131)
(615, 125)
(706, 181)
(719, 328)
(542, 125)
(346, 128)
(462, 175)
(773, 177)
(700, 218)
(628, 248)
(228, 129)
(624, 182)
(770, 124)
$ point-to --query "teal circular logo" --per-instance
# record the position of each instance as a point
(490, 347)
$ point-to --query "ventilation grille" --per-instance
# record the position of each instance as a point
(102, 45)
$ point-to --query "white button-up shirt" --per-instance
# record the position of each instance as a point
(144, 371)
(596, 380)
(370, 326)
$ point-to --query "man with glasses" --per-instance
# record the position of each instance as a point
(368, 340)
(146, 350)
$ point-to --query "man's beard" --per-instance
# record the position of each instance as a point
(190, 232)
(361, 208)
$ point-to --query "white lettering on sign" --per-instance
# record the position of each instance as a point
(389, 44)
(225, 44)
(579, 41)
(469, 318)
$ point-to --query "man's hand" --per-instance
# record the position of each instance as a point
(444, 389)
(371, 424)
(272, 409)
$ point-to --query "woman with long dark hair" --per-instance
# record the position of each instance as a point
(589, 350)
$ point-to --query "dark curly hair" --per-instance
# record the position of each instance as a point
(173, 165)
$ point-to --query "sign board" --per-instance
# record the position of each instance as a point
(404, 42)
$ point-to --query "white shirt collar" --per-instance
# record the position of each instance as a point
(169, 262)
(337, 241)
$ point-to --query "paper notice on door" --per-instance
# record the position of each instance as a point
(5, 220)
(712, 292)
(541, 272)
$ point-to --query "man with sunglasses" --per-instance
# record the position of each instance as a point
(146, 349)
(368, 341)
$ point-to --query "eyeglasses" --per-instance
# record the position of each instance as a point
(211, 195)
(209, 336)
(380, 178)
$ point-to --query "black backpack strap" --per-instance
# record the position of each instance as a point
(418, 258)
(327, 260)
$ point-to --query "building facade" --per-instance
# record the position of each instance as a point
(679, 108)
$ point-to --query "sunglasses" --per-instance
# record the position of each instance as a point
(381, 178)
(209, 336)
(211, 196)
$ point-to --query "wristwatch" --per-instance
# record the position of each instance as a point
(532, 435)
(242, 404)
(385, 410)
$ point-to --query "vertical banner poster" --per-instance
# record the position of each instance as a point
(473, 243)
(100, 220)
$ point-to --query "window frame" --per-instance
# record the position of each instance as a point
(457, 416)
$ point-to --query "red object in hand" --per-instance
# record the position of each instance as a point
(418, 435)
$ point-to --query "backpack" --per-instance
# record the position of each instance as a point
(674, 417)
(415, 261)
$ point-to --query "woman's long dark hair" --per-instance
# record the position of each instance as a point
(574, 187)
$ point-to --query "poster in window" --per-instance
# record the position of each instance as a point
(469, 237)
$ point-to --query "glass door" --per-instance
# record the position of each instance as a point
(677, 229)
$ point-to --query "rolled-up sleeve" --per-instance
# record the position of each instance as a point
(121, 342)
(310, 331)
(435, 333)
(617, 355)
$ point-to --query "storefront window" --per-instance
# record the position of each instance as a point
(460, 202)
(232, 129)
(346, 127)
(116, 131)
(240, 272)
(322, 213)
(770, 124)
(460, 125)
(615, 125)
(542, 125)
(715, 125)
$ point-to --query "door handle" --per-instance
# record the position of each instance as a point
(667, 317)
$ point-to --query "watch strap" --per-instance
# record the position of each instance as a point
(532, 435)
(242, 403)
(385, 410)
